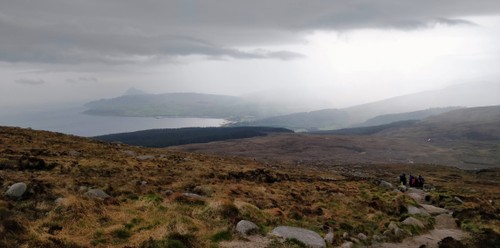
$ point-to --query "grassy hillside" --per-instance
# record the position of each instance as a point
(306, 121)
(465, 138)
(181, 136)
(416, 115)
(147, 204)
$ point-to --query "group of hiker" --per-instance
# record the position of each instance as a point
(413, 180)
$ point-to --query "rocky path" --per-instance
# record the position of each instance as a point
(445, 226)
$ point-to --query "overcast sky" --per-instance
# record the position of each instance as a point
(341, 52)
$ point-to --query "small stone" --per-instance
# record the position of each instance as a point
(16, 190)
(362, 236)
(347, 245)
(74, 153)
(145, 157)
(376, 238)
(410, 221)
(192, 195)
(345, 235)
(456, 198)
(129, 153)
(385, 184)
(168, 192)
(329, 237)
(245, 227)
(96, 193)
(398, 232)
(392, 226)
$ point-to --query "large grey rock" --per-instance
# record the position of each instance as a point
(412, 210)
(415, 196)
(329, 237)
(410, 221)
(385, 184)
(308, 237)
(434, 210)
(96, 193)
(245, 227)
(347, 245)
(415, 190)
(16, 190)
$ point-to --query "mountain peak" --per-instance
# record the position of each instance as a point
(134, 91)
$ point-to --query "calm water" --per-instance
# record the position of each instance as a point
(72, 121)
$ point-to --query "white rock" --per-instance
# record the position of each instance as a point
(308, 237)
(245, 227)
(16, 190)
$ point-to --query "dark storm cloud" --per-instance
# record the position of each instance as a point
(126, 31)
(30, 81)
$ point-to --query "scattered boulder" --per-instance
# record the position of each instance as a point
(329, 237)
(362, 236)
(347, 245)
(415, 190)
(60, 201)
(193, 195)
(145, 157)
(203, 190)
(16, 190)
(402, 188)
(385, 184)
(74, 153)
(412, 210)
(308, 237)
(393, 229)
(245, 227)
(345, 235)
(96, 193)
(410, 221)
(129, 153)
(433, 210)
(415, 196)
(377, 238)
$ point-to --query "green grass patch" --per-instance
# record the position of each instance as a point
(222, 235)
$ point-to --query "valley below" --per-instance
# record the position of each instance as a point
(68, 191)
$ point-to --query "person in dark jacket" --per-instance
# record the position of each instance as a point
(412, 181)
(402, 179)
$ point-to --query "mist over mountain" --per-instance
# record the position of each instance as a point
(408, 107)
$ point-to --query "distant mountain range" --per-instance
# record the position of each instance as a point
(243, 111)
(409, 107)
(139, 104)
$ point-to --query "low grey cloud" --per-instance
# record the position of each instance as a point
(30, 81)
(82, 80)
(127, 31)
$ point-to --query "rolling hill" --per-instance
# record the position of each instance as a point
(181, 105)
(466, 138)
(407, 107)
